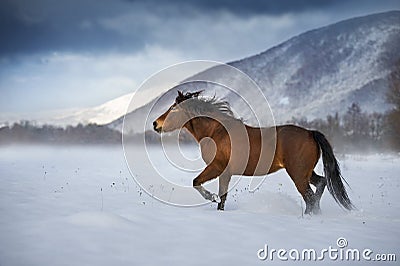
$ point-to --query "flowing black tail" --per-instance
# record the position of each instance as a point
(332, 172)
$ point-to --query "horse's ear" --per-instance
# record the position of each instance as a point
(180, 98)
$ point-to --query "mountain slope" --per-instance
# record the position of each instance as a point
(325, 70)
(317, 73)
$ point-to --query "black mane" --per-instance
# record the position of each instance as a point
(202, 106)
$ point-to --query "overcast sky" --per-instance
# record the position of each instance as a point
(81, 53)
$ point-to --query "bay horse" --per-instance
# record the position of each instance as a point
(230, 147)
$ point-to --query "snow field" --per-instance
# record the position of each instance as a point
(80, 206)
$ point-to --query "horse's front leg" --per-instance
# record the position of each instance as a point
(210, 172)
(224, 180)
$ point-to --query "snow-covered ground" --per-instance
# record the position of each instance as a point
(80, 206)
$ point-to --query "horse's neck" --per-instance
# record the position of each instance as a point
(201, 127)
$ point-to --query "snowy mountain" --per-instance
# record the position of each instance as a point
(325, 70)
(109, 111)
(315, 74)
(101, 115)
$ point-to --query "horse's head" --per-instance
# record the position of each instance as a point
(176, 116)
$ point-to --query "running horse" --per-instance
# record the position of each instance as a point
(230, 147)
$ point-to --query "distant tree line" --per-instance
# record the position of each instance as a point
(393, 116)
(359, 131)
(27, 132)
(354, 131)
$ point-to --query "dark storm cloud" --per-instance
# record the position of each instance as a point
(28, 26)
(36, 26)
(250, 6)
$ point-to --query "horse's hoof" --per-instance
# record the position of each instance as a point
(215, 198)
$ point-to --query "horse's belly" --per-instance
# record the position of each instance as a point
(255, 157)
(255, 165)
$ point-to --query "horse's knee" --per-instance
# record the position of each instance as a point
(196, 182)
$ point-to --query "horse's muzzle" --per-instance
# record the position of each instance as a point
(156, 128)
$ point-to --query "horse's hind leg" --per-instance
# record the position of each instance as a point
(223, 190)
(303, 186)
(320, 183)
(309, 197)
